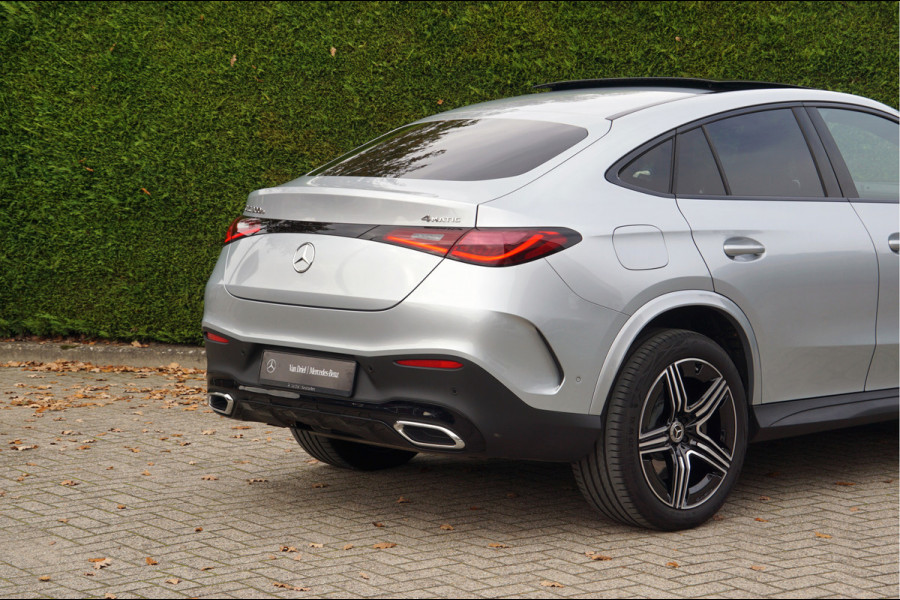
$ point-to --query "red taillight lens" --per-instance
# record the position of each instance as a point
(432, 240)
(243, 227)
(506, 247)
(486, 247)
(430, 364)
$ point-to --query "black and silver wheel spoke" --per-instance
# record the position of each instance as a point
(710, 401)
(714, 454)
(654, 441)
(681, 479)
(676, 387)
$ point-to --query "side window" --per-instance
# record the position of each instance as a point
(868, 144)
(652, 170)
(696, 173)
(765, 154)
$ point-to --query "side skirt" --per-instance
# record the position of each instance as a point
(798, 417)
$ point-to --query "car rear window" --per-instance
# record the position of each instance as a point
(458, 150)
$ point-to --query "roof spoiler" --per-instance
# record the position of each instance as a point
(677, 82)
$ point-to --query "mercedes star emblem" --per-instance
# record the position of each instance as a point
(270, 366)
(304, 257)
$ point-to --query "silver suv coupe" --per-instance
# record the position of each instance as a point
(637, 276)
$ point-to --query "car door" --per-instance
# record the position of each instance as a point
(783, 244)
(863, 146)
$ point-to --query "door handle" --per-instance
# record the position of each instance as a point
(742, 247)
(894, 242)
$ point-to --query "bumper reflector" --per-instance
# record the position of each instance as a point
(430, 364)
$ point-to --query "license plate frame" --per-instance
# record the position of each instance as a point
(308, 373)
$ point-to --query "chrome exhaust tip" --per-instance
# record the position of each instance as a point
(221, 403)
(426, 435)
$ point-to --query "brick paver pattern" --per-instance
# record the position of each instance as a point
(181, 502)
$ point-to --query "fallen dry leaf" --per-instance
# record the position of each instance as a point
(291, 587)
(69, 482)
(110, 596)
(207, 432)
(333, 50)
(823, 536)
(150, 561)
(377, 523)
(21, 448)
(596, 556)
(316, 545)
(764, 498)
(233, 59)
(854, 509)
(173, 580)
(319, 485)
(198, 529)
(101, 563)
(207, 568)
(44, 578)
(758, 568)
(63, 520)
(348, 546)
(121, 506)
(402, 500)
(384, 545)
(363, 575)
(252, 481)
(496, 545)
(761, 520)
(447, 527)
(847, 483)
(209, 478)
(146, 473)
(553, 584)
(672, 564)
(288, 549)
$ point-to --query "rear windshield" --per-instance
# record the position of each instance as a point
(458, 150)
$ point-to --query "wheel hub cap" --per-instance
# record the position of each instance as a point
(676, 432)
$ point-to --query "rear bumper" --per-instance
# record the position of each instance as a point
(462, 411)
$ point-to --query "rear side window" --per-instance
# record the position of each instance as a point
(696, 173)
(765, 154)
(652, 170)
(868, 145)
(458, 150)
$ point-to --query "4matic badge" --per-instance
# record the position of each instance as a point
(430, 219)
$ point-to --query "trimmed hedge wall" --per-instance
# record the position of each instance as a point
(132, 132)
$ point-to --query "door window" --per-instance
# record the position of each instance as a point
(868, 144)
(765, 154)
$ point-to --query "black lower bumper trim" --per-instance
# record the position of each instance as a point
(486, 416)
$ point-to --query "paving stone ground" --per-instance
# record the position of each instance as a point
(143, 473)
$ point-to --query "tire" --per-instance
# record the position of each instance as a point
(674, 435)
(350, 455)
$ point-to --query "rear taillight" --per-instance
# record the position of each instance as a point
(432, 240)
(243, 227)
(486, 247)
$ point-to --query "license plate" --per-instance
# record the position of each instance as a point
(312, 374)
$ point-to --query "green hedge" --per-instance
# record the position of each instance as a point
(132, 132)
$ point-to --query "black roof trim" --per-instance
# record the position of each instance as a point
(676, 82)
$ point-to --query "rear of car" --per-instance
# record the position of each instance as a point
(596, 276)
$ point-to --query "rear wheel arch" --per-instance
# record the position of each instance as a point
(706, 313)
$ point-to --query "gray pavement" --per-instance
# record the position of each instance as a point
(121, 483)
